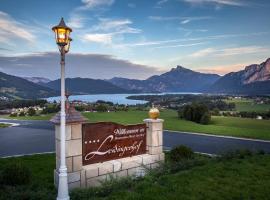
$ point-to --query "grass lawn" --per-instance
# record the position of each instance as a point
(249, 105)
(236, 178)
(4, 125)
(231, 126)
(41, 186)
(39, 117)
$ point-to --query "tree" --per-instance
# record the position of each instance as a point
(188, 113)
(102, 108)
(206, 118)
(195, 112)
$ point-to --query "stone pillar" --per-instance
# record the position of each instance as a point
(73, 139)
(73, 153)
(154, 137)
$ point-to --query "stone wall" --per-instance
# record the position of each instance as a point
(93, 174)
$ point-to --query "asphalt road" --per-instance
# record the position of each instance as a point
(31, 137)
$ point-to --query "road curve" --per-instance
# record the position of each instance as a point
(31, 137)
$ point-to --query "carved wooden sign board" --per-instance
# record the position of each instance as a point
(105, 141)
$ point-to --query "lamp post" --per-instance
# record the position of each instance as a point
(62, 32)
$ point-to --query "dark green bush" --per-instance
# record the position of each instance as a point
(181, 153)
(205, 119)
(21, 114)
(239, 154)
(216, 112)
(102, 108)
(13, 115)
(51, 108)
(195, 112)
(261, 152)
(15, 174)
(31, 112)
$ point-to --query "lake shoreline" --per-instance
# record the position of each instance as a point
(115, 98)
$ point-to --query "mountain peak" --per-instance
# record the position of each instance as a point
(267, 64)
(180, 68)
(254, 73)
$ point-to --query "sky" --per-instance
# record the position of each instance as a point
(133, 38)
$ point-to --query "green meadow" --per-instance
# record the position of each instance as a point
(229, 126)
(35, 117)
(241, 177)
(249, 105)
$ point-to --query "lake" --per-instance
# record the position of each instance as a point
(115, 98)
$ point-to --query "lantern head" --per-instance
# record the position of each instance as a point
(62, 32)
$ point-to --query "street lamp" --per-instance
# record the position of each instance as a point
(62, 32)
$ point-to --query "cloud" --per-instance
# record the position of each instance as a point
(203, 53)
(218, 2)
(107, 29)
(76, 20)
(212, 52)
(98, 38)
(190, 19)
(131, 5)
(224, 69)
(190, 31)
(96, 66)
(160, 3)
(179, 45)
(183, 20)
(161, 18)
(77, 17)
(11, 29)
(116, 25)
(4, 49)
(202, 39)
(91, 4)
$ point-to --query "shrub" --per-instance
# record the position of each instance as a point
(261, 152)
(181, 153)
(239, 154)
(13, 115)
(51, 108)
(80, 108)
(205, 119)
(21, 114)
(15, 174)
(216, 112)
(31, 112)
(102, 108)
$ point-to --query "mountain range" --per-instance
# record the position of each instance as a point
(178, 79)
(252, 80)
(38, 80)
(15, 87)
(88, 86)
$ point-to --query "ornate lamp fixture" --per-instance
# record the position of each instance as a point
(62, 32)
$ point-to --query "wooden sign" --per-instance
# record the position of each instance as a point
(105, 141)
